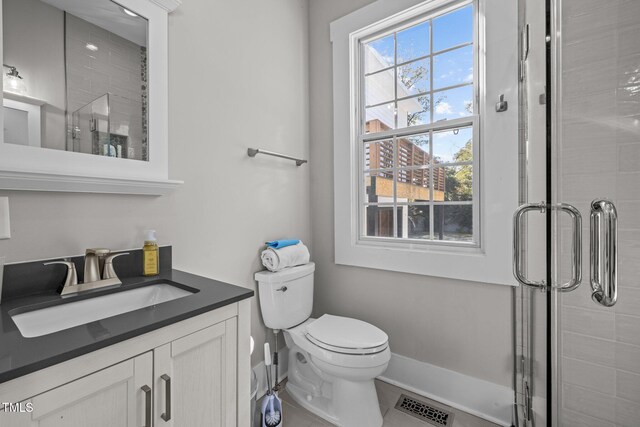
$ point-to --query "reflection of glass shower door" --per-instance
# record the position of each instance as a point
(90, 131)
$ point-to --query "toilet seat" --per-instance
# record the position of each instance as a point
(342, 359)
(346, 335)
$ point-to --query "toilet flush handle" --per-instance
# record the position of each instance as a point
(282, 289)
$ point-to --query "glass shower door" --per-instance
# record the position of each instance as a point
(531, 312)
(90, 128)
(595, 152)
(578, 350)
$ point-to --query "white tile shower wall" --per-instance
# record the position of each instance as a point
(600, 157)
(116, 67)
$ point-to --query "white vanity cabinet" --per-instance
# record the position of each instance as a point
(195, 379)
(106, 398)
(183, 375)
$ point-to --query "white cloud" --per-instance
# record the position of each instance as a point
(443, 108)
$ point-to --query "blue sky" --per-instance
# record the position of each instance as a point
(449, 30)
(450, 68)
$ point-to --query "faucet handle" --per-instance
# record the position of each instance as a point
(109, 272)
(72, 277)
(97, 251)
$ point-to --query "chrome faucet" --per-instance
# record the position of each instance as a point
(98, 272)
(93, 258)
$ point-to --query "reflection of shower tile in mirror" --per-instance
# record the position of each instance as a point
(117, 68)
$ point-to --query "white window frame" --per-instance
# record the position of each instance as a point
(488, 259)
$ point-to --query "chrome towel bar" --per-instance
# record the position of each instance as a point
(253, 151)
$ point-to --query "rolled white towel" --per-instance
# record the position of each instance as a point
(290, 256)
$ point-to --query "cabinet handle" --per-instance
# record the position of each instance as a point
(147, 405)
(166, 416)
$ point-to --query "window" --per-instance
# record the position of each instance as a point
(425, 169)
(417, 130)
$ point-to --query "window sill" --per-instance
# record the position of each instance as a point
(454, 262)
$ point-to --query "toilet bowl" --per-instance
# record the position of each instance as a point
(333, 360)
(336, 386)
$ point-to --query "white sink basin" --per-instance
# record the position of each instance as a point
(64, 316)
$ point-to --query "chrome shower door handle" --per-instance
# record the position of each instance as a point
(604, 252)
(517, 243)
(576, 248)
(576, 267)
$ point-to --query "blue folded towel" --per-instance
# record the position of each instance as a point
(278, 244)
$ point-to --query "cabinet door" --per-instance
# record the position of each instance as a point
(112, 397)
(195, 379)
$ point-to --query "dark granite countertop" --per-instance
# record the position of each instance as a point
(20, 356)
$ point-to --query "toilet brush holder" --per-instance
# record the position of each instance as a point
(271, 411)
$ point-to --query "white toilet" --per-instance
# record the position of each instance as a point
(332, 360)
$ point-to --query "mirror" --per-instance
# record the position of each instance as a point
(75, 77)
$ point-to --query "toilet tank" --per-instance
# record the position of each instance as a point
(286, 297)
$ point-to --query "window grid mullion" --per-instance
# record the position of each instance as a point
(431, 162)
(395, 80)
(450, 203)
(362, 112)
(420, 129)
(419, 58)
(395, 139)
(420, 94)
(395, 188)
(431, 189)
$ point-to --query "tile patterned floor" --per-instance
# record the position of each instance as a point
(295, 416)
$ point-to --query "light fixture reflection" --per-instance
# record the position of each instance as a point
(13, 82)
(128, 12)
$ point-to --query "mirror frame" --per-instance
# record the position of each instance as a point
(28, 168)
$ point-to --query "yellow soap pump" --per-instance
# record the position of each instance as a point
(150, 254)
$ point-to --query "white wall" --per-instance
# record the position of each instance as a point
(238, 79)
(462, 326)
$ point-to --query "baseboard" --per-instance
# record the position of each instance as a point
(261, 375)
(478, 397)
(481, 398)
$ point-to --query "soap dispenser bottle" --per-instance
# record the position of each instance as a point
(150, 254)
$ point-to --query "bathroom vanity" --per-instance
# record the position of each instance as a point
(182, 362)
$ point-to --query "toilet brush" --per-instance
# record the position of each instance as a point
(271, 404)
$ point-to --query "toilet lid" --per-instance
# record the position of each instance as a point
(346, 335)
